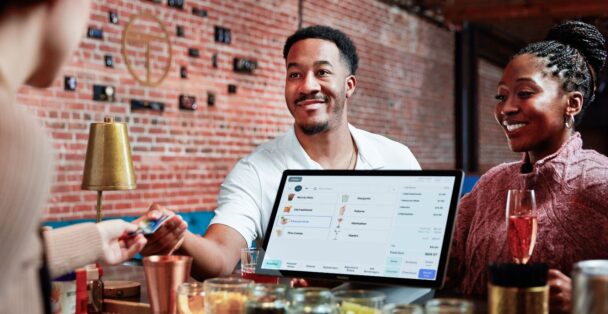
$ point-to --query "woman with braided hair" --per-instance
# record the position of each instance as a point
(541, 96)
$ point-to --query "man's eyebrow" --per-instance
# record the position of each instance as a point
(317, 63)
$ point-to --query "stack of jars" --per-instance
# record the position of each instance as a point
(242, 296)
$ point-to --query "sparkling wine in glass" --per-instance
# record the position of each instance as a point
(521, 224)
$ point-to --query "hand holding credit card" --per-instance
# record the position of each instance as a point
(148, 225)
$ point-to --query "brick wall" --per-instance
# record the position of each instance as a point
(405, 92)
(405, 89)
(493, 148)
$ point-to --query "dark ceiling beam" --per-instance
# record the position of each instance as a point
(530, 9)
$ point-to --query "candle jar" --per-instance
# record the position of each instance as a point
(267, 299)
(226, 295)
(359, 301)
(311, 301)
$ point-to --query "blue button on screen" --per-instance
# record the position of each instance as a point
(427, 273)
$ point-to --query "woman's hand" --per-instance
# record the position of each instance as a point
(560, 292)
(117, 246)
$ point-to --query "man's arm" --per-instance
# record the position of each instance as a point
(214, 254)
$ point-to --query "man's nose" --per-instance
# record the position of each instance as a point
(310, 85)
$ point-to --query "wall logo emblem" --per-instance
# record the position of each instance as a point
(146, 49)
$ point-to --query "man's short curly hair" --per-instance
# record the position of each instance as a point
(347, 48)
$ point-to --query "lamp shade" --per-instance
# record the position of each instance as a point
(108, 164)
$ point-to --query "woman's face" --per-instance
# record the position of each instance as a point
(531, 107)
(65, 23)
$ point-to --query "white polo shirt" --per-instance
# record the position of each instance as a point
(248, 193)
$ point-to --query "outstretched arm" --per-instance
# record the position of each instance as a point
(216, 253)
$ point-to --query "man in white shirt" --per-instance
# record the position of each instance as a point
(321, 64)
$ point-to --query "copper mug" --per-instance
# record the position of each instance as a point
(164, 273)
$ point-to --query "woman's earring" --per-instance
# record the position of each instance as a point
(569, 123)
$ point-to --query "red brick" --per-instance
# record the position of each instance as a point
(405, 91)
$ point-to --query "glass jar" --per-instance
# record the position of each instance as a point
(267, 299)
(311, 300)
(449, 306)
(190, 298)
(226, 295)
(359, 301)
(403, 309)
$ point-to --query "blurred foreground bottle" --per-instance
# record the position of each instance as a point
(518, 289)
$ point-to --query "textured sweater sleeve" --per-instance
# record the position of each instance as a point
(456, 268)
(71, 247)
(25, 178)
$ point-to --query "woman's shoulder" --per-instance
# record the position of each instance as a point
(499, 172)
(493, 178)
(593, 158)
(592, 168)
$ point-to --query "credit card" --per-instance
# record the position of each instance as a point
(149, 226)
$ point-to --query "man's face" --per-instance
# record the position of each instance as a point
(317, 85)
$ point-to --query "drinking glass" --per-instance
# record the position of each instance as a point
(449, 306)
(164, 273)
(359, 301)
(249, 259)
(403, 309)
(521, 224)
(311, 301)
(226, 295)
(267, 299)
(190, 298)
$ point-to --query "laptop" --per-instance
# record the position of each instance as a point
(385, 229)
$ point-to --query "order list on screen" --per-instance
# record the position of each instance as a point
(385, 226)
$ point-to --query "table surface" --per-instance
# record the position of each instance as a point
(135, 272)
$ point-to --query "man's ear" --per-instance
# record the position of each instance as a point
(351, 83)
(575, 103)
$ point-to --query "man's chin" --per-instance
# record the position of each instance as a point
(312, 129)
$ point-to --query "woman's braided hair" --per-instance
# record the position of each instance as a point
(574, 49)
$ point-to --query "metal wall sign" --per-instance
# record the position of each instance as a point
(146, 49)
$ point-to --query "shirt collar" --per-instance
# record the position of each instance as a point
(368, 157)
(367, 154)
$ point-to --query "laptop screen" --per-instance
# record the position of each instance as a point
(371, 226)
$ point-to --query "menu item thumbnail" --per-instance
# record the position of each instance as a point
(290, 196)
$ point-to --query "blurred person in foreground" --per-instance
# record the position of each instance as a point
(320, 64)
(541, 96)
(37, 37)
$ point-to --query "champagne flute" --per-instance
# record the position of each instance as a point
(521, 224)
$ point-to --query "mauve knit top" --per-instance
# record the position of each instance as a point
(571, 189)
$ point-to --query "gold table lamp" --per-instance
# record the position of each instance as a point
(108, 164)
